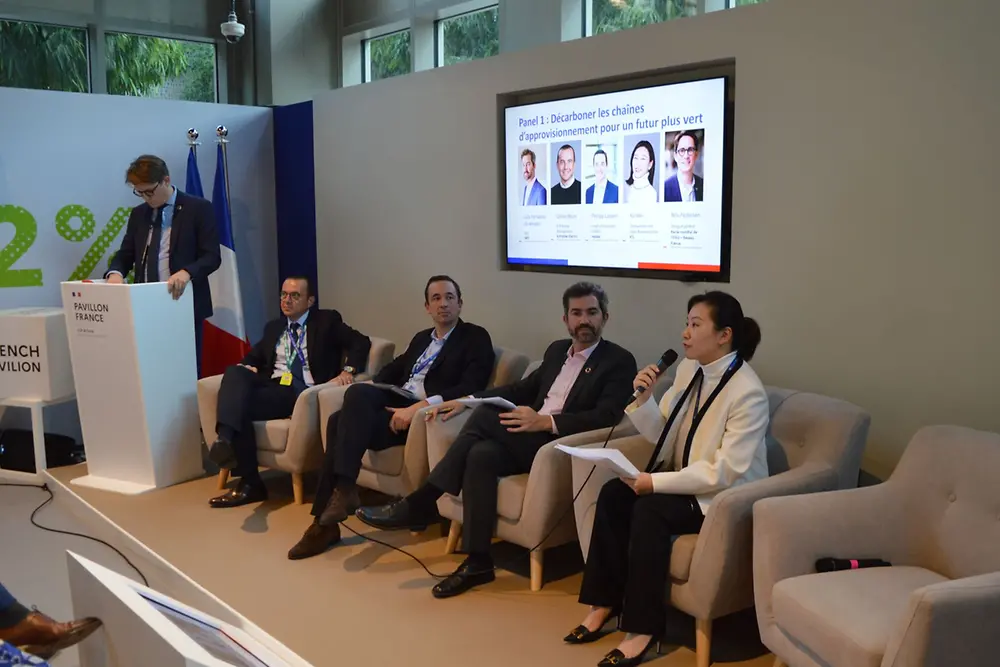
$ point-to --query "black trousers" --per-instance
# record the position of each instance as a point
(484, 452)
(629, 559)
(246, 397)
(361, 424)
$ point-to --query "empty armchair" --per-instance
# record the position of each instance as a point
(397, 471)
(292, 445)
(814, 444)
(936, 520)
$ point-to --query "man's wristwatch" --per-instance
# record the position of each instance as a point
(351, 369)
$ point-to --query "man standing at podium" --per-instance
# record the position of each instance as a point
(171, 237)
(301, 349)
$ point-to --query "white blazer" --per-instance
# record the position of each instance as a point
(728, 447)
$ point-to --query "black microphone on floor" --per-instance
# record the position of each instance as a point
(837, 564)
(665, 362)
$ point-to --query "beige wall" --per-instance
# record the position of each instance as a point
(865, 223)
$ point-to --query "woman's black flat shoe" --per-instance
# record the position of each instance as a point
(581, 635)
(617, 659)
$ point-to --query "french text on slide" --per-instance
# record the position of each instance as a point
(597, 121)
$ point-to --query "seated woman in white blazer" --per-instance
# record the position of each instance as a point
(709, 429)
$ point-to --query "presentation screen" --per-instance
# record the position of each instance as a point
(634, 182)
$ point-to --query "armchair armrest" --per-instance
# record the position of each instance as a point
(329, 399)
(950, 623)
(791, 533)
(208, 405)
(597, 436)
(635, 448)
(721, 577)
(548, 494)
(440, 435)
(415, 450)
(304, 444)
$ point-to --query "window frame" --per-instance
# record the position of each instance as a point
(218, 51)
(439, 25)
(70, 25)
(366, 60)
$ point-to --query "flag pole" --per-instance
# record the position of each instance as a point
(223, 132)
(193, 142)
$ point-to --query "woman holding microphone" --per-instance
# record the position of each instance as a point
(709, 432)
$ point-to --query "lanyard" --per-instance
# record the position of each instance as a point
(425, 361)
(295, 347)
(698, 380)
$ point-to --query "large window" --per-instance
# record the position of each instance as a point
(45, 57)
(613, 15)
(172, 69)
(387, 56)
(468, 36)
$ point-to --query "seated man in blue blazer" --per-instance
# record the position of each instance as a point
(583, 384)
(605, 191)
(685, 185)
(171, 237)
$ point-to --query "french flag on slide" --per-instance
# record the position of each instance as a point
(224, 338)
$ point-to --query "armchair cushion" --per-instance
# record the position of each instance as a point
(386, 461)
(846, 618)
(510, 496)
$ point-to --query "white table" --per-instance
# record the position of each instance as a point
(36, 405)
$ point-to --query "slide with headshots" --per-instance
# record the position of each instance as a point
(630, 179)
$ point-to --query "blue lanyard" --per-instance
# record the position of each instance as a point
(697, 399)
(423, 362)
(295, 347)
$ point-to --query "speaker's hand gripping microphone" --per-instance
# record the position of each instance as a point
(665, 362)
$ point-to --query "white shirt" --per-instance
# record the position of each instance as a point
(687, 191)
(728, 447)
(555, 400)
(280, 359)
(640, 192)
(527, 192)
(423, 364)
(599, 189)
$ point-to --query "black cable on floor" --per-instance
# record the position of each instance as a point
(45, 487)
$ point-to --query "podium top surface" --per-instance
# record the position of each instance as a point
(31, 311)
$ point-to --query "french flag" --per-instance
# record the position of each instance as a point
(224, 338)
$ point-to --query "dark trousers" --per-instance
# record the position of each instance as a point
(361, 424)
(12, 612)
(246, 397)
(629, 559)
(484, 452)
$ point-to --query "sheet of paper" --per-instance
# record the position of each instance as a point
(492, 400)
(612, 459)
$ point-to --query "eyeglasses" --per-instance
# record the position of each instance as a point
(686, 151)
(291, 296)
(146, 194)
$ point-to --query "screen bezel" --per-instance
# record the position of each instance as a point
(725, 70)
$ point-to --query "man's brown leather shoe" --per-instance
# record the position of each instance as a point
(343, 502)
(41, 636)
(316, 540)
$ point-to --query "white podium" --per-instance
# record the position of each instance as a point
(133, 354)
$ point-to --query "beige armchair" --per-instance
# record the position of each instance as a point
(398, 471)
(814, 444)
(936, 519)
(291, 445)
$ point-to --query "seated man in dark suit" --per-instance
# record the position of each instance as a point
(450, 360)
(301, 349)
(583, 384)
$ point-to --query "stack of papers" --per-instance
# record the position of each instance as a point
(612, 459)
(492, 400)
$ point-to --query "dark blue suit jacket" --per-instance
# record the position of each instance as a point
(194, 245)
(672, 189)
(610, 193)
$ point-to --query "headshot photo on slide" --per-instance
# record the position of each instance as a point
(601, 174)
(567, 170)
(641, 174)
(684, 182)
(530, 184)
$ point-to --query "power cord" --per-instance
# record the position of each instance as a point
(508, 563)
(45, 487)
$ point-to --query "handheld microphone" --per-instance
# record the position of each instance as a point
(665, 362)
(837, 564)
(156, 222)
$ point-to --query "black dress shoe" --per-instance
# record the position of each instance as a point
(396, 516)
(343, 502)
(581, 635)
(616, 658)
(244, 494)
(222, 454)
(465, 577)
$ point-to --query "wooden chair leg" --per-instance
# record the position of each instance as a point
(537, 558)
(297, 490)
(778, 662)
(703, 642)
(223, 478)
(454, 533)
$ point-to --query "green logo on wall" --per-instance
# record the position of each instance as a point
(26, 232)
